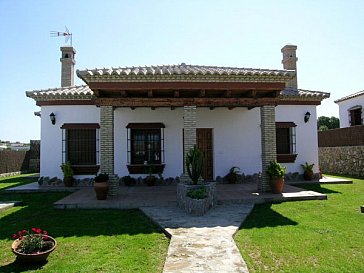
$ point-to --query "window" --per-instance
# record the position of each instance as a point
(355, 114)
(80, 147)
(286, 142)
(145, 147)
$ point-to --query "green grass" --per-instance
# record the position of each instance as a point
(18, 180)
(88, 240)
(309, 236)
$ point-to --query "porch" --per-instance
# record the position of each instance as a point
(136, 197)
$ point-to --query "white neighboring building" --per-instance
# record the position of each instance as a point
(351, 111)
(129, 120)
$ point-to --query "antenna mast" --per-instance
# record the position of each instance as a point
(66, 34)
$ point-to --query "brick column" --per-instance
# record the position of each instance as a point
(107, 147)
(268, 140)
(189, 139)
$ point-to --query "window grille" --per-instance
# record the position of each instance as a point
(145, 145)
(80, 144)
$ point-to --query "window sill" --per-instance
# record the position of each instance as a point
(85, 169)
(144, 168)
(286, 158)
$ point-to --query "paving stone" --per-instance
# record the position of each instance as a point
(202, 244)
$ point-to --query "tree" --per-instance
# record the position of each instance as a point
(326, 123)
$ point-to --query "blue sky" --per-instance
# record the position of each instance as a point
(329, 36)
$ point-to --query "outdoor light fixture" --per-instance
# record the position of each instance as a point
(307, 117)
(52, 116)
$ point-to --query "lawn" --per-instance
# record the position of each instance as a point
(88, 240)
(309, 236)
(18, 180)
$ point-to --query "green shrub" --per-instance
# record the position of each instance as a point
(275, 170)
(197, 193)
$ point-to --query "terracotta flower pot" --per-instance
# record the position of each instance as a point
(150, 180)
(101, 189)
(33, 257)
(68, 181)
(308, 175)
(231, 178)
(277, 184)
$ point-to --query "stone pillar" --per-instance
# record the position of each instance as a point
(107, 147)
(268, 140)
(290, 63)
(189, 139)
(68, 64)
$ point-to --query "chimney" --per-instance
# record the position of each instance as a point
(68, 63)
(290, 63)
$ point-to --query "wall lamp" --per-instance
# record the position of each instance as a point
(307, 117)
(52, 116)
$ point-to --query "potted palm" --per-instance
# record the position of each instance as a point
(232, 176)
(276, 173)
(101, 186)
(308, 171)
(67, 174)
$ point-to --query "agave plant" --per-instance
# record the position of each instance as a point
(194, 164)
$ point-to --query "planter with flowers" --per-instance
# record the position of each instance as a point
(33, 246)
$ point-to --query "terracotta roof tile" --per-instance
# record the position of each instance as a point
(302, 93)
(357, 94)
(183, 69)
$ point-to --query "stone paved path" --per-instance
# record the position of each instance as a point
(202, 244)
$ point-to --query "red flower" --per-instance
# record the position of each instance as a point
(45, 232)
(15, 236)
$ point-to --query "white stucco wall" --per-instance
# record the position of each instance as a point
(51, 135)
(306, 134)
(347, 104)
(236, 136)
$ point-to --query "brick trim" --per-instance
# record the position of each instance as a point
(268, 142)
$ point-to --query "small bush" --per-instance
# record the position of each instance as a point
(198, 193)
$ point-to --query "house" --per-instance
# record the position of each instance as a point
(130, 120)
(351, 109)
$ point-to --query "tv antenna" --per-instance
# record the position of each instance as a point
(66, 34)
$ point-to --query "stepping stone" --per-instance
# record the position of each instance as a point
(9, 204)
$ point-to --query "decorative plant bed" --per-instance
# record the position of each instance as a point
(197, 207)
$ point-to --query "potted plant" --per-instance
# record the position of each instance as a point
(67, 174)
(101, 186)
(128, 180)
(276, 173)
(197, 193)
(32, 246)
(150, 179)
(232, 176)
(308, 171)
(194, 164)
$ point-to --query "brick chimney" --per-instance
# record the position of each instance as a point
(68, 63)
(290, 62)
